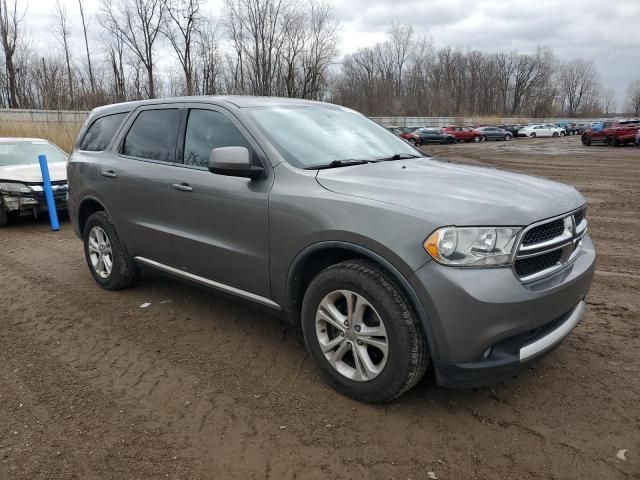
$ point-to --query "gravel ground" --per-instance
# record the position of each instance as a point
(199, 385)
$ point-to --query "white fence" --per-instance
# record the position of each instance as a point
(57, 116)
(42, 116)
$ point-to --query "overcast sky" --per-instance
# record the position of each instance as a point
(606, 31)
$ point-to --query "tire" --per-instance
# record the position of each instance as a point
(4, 216)
(484, 138)
(533, 135)
(586, 141)
(477, 139)
(123, 271)
(507, 137)
(413, 142)
(366, 284)
(555, 134)
(610, 141)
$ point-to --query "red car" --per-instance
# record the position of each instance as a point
(463, 134)
(612, 133)
(412, 138)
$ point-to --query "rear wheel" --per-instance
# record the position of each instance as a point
(507, 137)
(610, 141)
(586, 141)
(533, 135)
(109, 263)
(477, 138)
(413, 142)
(555, 134)
(362, 332)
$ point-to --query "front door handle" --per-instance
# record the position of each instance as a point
(109, 173)
(183, 187)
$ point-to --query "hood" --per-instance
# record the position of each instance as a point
(31, 173)
(455, 194)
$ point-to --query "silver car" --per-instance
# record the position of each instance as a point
(388, 260)
(21, 190)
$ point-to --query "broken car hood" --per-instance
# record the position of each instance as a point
(456, 194)
(31, 173)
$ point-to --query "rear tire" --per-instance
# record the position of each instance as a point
(610, 141)
(586, 141)
(412, 142)
(555, 134)
(507, 137)
(102, 247)
(477, 139)
(383, 374)
(533, 135)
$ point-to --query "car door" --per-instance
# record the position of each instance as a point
(135, 180)
(221, 226)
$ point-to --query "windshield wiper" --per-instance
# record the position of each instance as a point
(339, 163)
(399, 156)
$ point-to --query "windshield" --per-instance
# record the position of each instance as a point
(25, 153)
(310, 136)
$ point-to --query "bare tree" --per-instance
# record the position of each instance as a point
(609, 100)
(633, 95)
(184, 20)
(138, 23)
(577, 81)
(86, 46)
(61, 32)
(10, 21)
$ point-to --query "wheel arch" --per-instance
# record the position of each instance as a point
(87, 207)
(315, 258)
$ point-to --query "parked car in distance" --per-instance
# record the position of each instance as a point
(493, 133)
(511, 128)
(330, 232)
(434, 135)
(541, 130)
(463, 134)
(568, 127)
(412, 138)
(581, 127)
(21, 186)
(612, 133)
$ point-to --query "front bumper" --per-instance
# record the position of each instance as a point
(486, 324)
(34, 202)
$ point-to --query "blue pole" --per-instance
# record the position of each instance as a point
(48, 192)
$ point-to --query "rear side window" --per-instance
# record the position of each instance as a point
(153, 135)
(101, 131)
(206, 130)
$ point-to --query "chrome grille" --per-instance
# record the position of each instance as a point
(549, 245)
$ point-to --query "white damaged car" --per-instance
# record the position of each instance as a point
(21, 191)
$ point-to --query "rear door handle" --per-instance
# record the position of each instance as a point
(183, 187)
(109, 173)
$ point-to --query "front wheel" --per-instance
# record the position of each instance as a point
(4, 216)
(533, 135)
(507, 137)
(109, 263)
(477, 139)
(555, 134)
(586, 141)
(610, 141)
(362, 332)
(413, 142)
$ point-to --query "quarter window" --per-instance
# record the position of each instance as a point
(101, 131)
(153, 135)
(206, 130)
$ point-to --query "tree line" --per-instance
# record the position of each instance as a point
(283, 48)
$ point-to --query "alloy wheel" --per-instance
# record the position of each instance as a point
(352, 335)
(100, 252)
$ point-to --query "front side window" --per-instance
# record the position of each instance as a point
(315, 135)
(101, 131)
(206, 130)
(153, 135)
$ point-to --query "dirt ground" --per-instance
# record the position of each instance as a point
(200, 385)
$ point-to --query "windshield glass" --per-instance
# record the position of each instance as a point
(310, 136)
(25, 153)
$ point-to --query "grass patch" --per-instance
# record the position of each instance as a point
(63, 134)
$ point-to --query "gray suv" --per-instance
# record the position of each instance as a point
(388, 260)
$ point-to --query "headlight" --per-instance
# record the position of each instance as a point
(472, 246)
(14, 188)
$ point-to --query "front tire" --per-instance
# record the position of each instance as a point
(413, 142)
(477, 139)
(362, 332)
(555, 134)
(108, 261)
(507, 137)
(4, 216)
(533, 135)
(586, 141)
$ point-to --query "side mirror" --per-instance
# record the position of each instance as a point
(233, 162)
